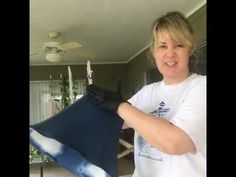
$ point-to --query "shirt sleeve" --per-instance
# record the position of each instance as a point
(135, 100)
(191, 116)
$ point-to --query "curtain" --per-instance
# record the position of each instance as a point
(45, 97)
(40, 101)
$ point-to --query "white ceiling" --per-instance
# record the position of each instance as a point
(110, 31)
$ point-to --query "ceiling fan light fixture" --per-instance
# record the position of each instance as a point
(53, 57)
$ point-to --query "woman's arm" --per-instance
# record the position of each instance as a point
(125, 126)
(162, 134)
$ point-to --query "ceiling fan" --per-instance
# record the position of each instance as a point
(55, 50)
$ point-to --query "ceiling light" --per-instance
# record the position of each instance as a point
(53, 57)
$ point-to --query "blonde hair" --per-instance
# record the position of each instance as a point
(180, 30)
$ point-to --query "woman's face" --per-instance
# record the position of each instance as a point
(171, 58)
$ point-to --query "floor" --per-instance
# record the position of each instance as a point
(125, 169)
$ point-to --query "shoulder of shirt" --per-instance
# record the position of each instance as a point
(146, 89)
(197, 79)
(152, 85)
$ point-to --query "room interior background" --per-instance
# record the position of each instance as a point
(132, 76)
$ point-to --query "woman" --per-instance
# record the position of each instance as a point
(169, 117)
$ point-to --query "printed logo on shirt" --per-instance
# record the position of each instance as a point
(145, 149)
(161, 111)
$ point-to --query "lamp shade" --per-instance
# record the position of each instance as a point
(53, 57)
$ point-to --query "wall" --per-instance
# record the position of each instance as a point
(131, 75)
(136, 73)
(142, 64)
(198, 21)
(44, 72)
(106, 76)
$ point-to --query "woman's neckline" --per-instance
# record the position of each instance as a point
(179, 83)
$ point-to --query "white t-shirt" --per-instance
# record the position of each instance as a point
(183, 104)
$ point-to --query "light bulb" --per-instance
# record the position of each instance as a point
(53, 57)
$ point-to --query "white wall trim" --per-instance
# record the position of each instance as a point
(131, 58)
(188, 14)
(196, 8)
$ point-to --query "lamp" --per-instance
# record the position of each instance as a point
(53, 57)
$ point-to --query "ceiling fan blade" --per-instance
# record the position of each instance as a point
(70, 45)
(36, 51)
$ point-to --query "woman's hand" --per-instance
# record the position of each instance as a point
(105, 99)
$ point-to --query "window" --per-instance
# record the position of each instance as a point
(45, 98)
